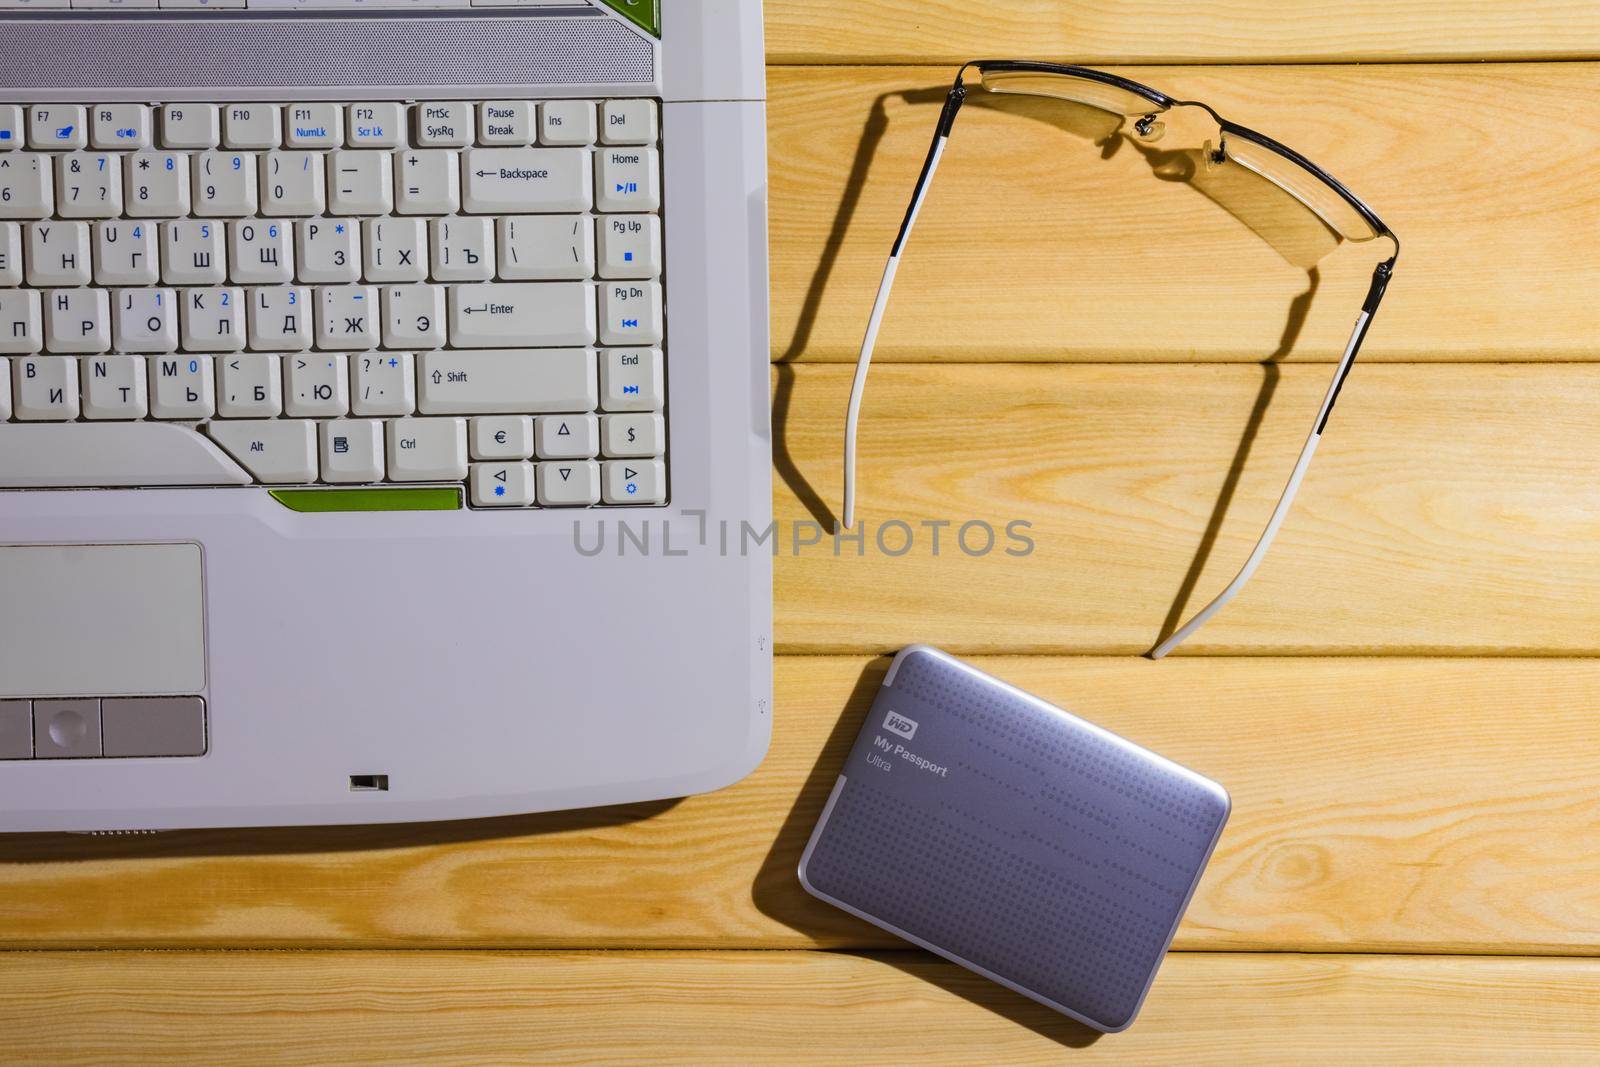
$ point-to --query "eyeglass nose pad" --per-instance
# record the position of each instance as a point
(1216, 154)
(1149, 128)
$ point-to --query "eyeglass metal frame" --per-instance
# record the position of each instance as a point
(1160, 102)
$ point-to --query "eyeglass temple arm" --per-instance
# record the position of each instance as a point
(1380, 281)
(947, 117)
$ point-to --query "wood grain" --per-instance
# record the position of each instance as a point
(1450, 510)
(1171, 31)
(1034, 245)
(1398, 805)
(770, 1007)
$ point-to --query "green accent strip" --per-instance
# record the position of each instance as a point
(324, 500)
(646, 14)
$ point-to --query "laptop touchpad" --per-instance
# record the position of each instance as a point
(101, 620)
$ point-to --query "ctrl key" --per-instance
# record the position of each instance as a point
(154, 726)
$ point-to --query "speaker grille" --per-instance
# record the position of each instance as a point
(310, 53)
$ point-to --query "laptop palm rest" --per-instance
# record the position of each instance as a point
(101, 620)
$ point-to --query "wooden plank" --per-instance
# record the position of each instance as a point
(1036, 245)
(1169, 31)
(769, 1007)
(1450, 510)
(1388, 804)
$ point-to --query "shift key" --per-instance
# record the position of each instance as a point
(522, 314)
(507, 380)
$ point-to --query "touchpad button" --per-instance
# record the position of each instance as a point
(101, 620)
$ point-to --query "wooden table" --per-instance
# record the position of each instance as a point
(1402, 703)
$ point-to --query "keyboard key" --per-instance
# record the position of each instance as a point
(347, 317)
(77, 320)
(26, 187)
(252, 126)
(21, 322)
(111, 454)
(427, 182)
(12, 133)
(523, 180)
(376, 125)
(360, 183)
(213, 320)
(43, 388)
(249, 386)
(630, 246)
(57, 126)
(120, 126)
(316, 125)
(328, 250)
(630, 379)
(627, 179)
(5, 389)
(293, 183)
(427, 450)
(463, 249)
(567, 436)
(633, 435)
(502, 485)
(506, 381)
(383, 383)
(145, 320)
(575, 483)
(275, 451)
(316, 385)
(628, 122)
(447, 124)
(182, 387)
(501, 437)
(630, 313)
(58, 253)
(10, 254)
(190, 126)
(261, 251)
(518, 314)
(567, 122)
(225, 183)
(196, 253)
(394, 250)
(157, 184)
(505, 122)
(114, 387)
(352, 450)
(126, 253)
(89, 185)
(546, 247)
(413, 316)
(280, 319)
(634, 481)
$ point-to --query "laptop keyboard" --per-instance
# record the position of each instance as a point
(286, 294)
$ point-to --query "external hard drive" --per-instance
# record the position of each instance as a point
(1014, 838)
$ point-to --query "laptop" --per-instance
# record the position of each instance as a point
(375, 377)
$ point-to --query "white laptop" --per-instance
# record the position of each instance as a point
(374, 380)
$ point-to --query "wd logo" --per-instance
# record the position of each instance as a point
(896, 723)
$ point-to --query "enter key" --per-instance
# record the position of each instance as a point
(522, 315)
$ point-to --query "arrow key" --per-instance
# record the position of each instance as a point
(567, 436)
(502, 485)
(569, 483)
(635, 481)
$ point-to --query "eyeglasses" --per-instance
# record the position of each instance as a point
(1127, 108)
